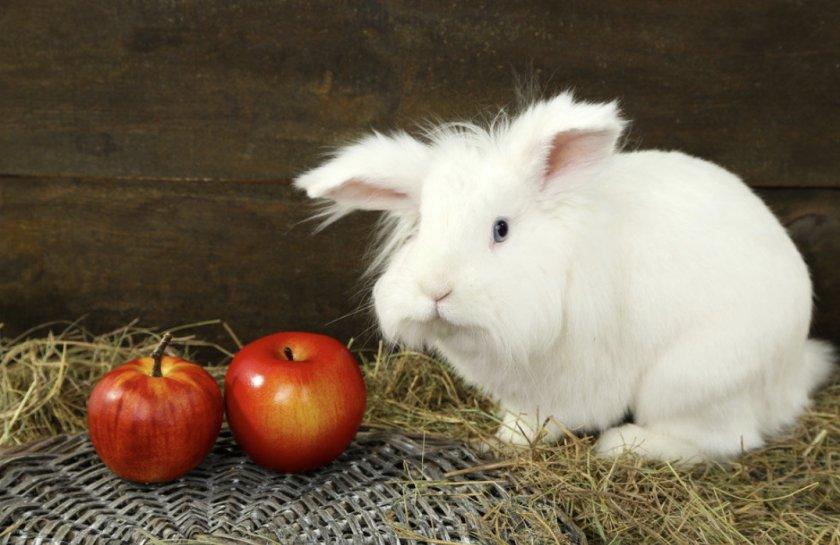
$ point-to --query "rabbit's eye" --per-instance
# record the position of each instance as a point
(500, 229)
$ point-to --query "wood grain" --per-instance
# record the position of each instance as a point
(222, 89)
(173, 252)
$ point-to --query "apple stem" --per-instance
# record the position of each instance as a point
(288, 353)
(157, 354)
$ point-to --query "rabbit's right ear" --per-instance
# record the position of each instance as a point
(378, 172)
(560, 137)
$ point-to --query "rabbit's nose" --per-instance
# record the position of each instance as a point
(437, 292)
(442, 295)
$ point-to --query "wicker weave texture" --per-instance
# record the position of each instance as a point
(383, 488)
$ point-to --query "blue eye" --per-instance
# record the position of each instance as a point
(500, 229)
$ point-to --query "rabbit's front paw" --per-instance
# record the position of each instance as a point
(647, 444)
(515, 436)
(520, 429)
(510, 434)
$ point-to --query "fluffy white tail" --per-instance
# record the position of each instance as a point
(819, 362)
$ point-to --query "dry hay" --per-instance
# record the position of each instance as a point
(788, 492)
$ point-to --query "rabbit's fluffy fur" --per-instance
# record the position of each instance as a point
(648, 283)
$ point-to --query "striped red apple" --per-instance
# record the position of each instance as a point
(154, 419)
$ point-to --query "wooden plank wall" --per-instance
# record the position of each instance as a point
(146, 147)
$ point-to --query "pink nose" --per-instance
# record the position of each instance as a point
(436, 290)
(442, 295)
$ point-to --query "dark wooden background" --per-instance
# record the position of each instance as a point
(146, 147)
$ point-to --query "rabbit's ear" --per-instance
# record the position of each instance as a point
(378, 172)
(562, 137)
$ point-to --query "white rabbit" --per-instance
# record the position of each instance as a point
(576, 284)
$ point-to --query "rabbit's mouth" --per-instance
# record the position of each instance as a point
(438, 330)
(435, 325)
(444, 319)
(444, 327)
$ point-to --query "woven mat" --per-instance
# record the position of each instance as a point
(385, 489)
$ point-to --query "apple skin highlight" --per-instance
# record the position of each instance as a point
(294, 400)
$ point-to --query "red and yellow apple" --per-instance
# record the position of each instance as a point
(154, 419)
(294, 400)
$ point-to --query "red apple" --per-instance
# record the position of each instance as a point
(294, 400)
(153, 419)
